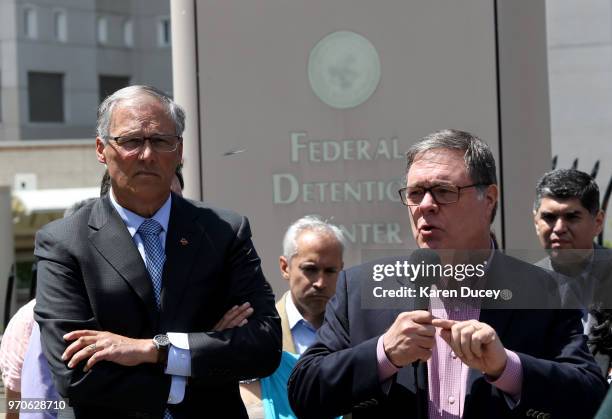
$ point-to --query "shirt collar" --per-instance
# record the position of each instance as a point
(133, 221)
(293, 314)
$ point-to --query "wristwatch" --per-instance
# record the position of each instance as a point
(162, 343)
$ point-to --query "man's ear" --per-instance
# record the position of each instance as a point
(180, 152)
(100, 150)
(284, 267)
(599, 221)
(535, 221)
(491, 195)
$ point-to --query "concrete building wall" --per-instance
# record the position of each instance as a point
(146, 62)
(9, 92)
(523, 113)
(580, 80)
(151, 55)
(56, 164)
(75, 59)
(81, 59)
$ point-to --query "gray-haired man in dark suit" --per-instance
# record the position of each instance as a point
(130, 288)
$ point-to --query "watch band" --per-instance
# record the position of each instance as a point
(162, 355)
(162, 343)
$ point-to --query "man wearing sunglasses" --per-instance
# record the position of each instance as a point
(131, 287)
(441, 357)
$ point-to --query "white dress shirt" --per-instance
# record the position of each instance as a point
(302, 332)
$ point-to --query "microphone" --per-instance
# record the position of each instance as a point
(424, 257)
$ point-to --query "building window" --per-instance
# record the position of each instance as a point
(46, 97)
(128, 33)
(102, 29)
(163, 32)
(110, 84)
(30, 24)
(60, 25)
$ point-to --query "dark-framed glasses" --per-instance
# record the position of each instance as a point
(412, 196)
(133, 144)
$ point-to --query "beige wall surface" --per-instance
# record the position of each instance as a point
(263, 133)
(524, 116)
(438, 70)
(56, 164)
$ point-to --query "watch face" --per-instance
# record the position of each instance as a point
(161, 340)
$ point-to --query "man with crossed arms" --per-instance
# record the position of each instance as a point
(131, 287)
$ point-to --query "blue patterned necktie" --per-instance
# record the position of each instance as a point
(154, 259)
(154, 253)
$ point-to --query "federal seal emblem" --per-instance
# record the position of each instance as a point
(344, 69)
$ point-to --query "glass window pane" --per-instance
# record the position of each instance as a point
(164, 32)
(102, 28)
(46, 97)
(60, 26)
(30, 29)
(128, 33)
(110, 84)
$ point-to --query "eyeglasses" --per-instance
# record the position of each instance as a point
(412, 196)
(132, 144)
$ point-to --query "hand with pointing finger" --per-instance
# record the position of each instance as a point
(476, 344)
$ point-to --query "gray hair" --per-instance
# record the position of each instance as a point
(478, 158)
(310, 223)
(105, 111)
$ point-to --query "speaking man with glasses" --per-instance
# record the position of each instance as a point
(130, 287)
(443, 357)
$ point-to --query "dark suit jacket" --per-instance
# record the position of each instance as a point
(339, 372)
(91, 276)
(589, 288)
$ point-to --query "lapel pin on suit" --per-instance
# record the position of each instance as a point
(183, 242)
